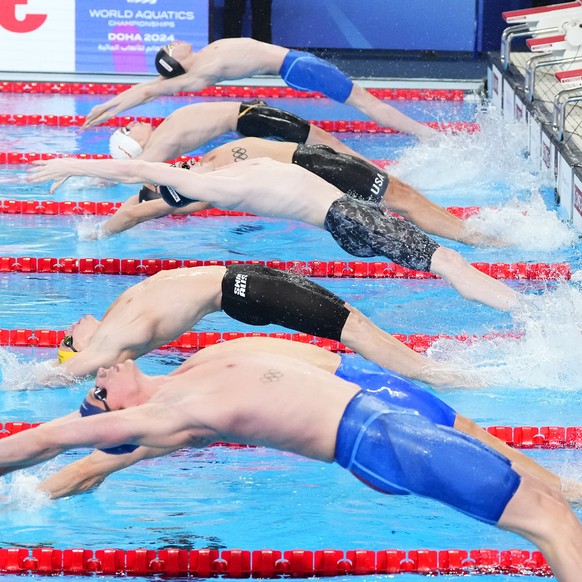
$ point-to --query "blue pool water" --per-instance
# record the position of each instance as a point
(257, 498)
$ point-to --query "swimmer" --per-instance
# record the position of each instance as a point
(269, 188)
(181, 69)
(191, 126)
(287, 404)
(351, 174)
(90, 471)
(160, 308)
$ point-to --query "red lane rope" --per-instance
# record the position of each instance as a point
(227, 91)
(518, 437)
(236, 563)
(193, 340)
(69, 207)
(340, 126)
(315, 268)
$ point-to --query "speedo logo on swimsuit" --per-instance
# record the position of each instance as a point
(378, 183)
(240, 285)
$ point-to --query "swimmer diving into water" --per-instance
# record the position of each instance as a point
(90, 471)
(160, 308)
(181, 69)
(310, 147)
(269, 188)
(287, 404)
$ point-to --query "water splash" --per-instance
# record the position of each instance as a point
(89, 228)
(82, 184)
(494, 155)
(22, 492)
(18, 375)
(525, 224)
(545, 352)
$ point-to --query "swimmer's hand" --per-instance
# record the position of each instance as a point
(99, 114)
(57, 169)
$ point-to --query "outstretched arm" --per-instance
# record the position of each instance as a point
(89, 472)
(127, 171)
(33, 446)
(132, 213)
(193, 183)
(136, 95)
(131, 426)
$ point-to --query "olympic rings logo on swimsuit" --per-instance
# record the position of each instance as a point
(239, 154)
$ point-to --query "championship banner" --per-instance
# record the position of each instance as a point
(96, 36)
(123, 36)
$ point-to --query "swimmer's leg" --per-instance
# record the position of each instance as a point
(570, 489)
(384, 114)
(428, 216)
(373, 343)
(363, 231)
(543, 516)
(471, 283)
(432, 218)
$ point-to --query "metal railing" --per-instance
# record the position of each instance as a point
(539, 61)
(561, 101)
(519, 31)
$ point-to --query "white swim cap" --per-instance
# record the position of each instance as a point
(122, 146)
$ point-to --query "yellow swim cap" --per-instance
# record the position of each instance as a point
(64, 355)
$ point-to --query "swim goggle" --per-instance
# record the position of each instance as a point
(88, 409)
(64, 355)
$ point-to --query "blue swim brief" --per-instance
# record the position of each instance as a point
(307, 72)
(398, 451)
(394, 389)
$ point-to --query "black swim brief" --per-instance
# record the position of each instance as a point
(257, 119)
(258, 295)
(354, 176)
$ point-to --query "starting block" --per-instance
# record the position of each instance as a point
(554, 29)
(544, 16)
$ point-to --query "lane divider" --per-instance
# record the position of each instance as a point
(194, 340)
(236, 563)
(71, 207)
(315, 268)
(227, 91)
(331, 125)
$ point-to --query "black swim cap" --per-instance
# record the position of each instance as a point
(174, 198)
(168, 66)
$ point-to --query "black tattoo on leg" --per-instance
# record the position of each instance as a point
(239, 154)
(272, 376)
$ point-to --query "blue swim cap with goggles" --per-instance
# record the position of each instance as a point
(88, 409)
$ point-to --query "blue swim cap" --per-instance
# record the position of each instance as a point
(88, 409)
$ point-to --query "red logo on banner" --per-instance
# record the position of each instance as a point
(8, 17)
